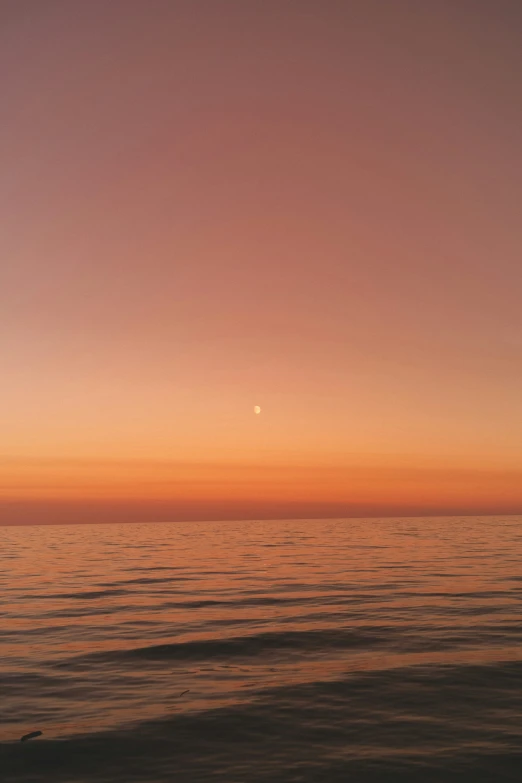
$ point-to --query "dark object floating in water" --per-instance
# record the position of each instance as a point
(183, 692)
(31, 735)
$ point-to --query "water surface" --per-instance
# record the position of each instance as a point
(331, 650)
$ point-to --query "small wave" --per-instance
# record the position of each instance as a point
(80, 595)
(400, 638)
(301, 642)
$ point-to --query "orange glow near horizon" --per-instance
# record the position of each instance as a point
(312, 208)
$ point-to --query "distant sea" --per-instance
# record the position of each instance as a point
(342, 651)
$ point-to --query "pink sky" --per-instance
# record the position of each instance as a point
(309, 206)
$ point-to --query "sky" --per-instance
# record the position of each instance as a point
(308, 206)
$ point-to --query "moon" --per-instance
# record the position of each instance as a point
(257, 409)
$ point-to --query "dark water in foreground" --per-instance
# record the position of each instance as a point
(335, 650)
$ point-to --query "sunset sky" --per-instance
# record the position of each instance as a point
(310, 206)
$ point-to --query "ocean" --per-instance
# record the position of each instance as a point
(347, 650)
